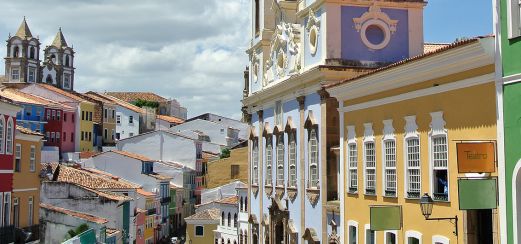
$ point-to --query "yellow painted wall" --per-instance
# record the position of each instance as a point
(208, 238)
(109, 123)
(469, 114)
(86, 126)
(26, 183)
(219, 171)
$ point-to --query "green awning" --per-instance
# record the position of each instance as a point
(386, 217)
(477, 194)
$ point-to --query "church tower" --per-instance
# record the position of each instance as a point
(58, 66)
(22, 61)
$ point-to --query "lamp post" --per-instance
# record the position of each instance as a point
(426, 204)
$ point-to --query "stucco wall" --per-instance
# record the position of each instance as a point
(219, 171)
(124, 128)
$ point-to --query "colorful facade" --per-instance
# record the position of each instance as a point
(508, 75)
(400, 138)
(26, 180)
(201, 227)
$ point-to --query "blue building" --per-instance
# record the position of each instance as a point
(32, 115)
(296, 48)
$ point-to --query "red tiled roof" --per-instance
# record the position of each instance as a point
(134, 96)
(208, 214)
(16, 95)
(409, 60)
(229, 200)
(119, 102)
(87, 154)
(132, 155)
(432, 47)
(170, 119)
(84, 216)
(140, 191)
(69, 94)
(27, 131)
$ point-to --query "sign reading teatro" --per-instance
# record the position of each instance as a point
(476, 157)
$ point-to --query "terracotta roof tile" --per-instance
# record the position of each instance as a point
(159, 176)
(409, 60)
(133, 155)
(84, 216)
(134, 96)
(87, 154)
(16, 95)
(70, 94)
(119, 102)
(170, 119)
(89, 179)
(27, 131)
(208, 214)
(140, 191)
(432, 47)
(229, 200)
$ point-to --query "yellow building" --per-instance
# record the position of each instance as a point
(226, 170)
(150, 216)
(86, 128)
(26, 179)
(105, 114)
(200, 227)
(401, 127)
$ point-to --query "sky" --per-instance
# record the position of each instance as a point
(194, 53)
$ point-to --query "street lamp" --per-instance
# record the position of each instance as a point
(426, 204)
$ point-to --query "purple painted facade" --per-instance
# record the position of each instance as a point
(354, 49)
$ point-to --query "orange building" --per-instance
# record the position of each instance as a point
(26, 180)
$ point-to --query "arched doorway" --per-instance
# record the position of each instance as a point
(516, 192)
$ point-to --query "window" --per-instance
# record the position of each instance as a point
(118, 119)
(353, 233)
(313, 158)
(112, 134)
(352, 158)
(66, 60)
(47, 135)
(31, 53)
(229, 220)
(32, 75)
(280, 159)
(413, 168)
(31, 211)
(16, 52)
(269, 160)
(82, 115)
(64, 116)
(90, 116)
(18, 158)
(82, 136)
(234, 171)
(370, 235)
(255, 162)
(235, 220)
(2, 133)
(370, 168)
(53, 114)
(222, 218)
(9, 137)
(413, 240)
(15, 74)
(257, 18)
(390, 167)
(131, 119)
(64, 136)
(16, 212)
(130, 134)
(72, 136)
(52, 136)
(48, 114)
(105, 114)
(514, 20)
(105, 133)
(58, 115)
(390, 237)
(32, 157)
(90, 136)
(7, 206)
(292, 155)
(278, 113)
(440, 168)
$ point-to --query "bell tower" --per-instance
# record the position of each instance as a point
(22, 61)
(58, 66)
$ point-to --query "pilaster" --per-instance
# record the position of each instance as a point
(302, 184)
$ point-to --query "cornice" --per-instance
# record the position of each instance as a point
(439, 65)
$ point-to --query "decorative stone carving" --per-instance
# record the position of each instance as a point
(376, 20)
(268, 190)
(388, 130)
(313, 27)
(437, 124)
(279, 191)
(301, 102)
(292, 193)
(313, 195)
(255, 67)
(255, 190)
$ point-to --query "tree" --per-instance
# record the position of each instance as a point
(225, 153)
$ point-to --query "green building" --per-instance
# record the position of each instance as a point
(508, 73)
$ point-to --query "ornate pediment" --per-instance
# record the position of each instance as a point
(375, 27)
(285, 55)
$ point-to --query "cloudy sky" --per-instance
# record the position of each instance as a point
(189, 50)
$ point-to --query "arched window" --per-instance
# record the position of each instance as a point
(292, 155)
(246, 204)
(222, 218)
(229, 220)
(53, 58)
(313, 158)
(241, 205)
(31, 53)
(49, 79)
(2, 134)
(9, 137)
(255, 162)
(16, 52)
(269, 159)
(67, 61)
(229, 241)
(280, 159)
(235, 220)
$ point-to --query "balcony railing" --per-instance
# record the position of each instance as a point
(413, 194)
(165, 200)
(440, 197)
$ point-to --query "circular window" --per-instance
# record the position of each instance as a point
(313, 40)
(375, 34)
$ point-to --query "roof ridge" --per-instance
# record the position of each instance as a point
(59, 40)
(24, 31)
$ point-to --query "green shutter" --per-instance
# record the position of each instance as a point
(386, 217)
(477, 194)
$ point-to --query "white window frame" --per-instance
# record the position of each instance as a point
(9, 139)
(354, 224)
(32, 157)
(514, 18)
(292, 159)
(280, 151)
(393, 232)
(118, 119)
(6, 211)
(440, 239)
(314, 160)
(195, 230)
(411, 132)
(13, 74)
(18, 156)
(255, 161)
(16, 218)
(31, 211)
(366, 228)
(3, 131)
(389, 160)
(131, 119)
(438, 130)
(67, 81)
(369, 138)
(269, 160)
(31, 73)
(352, 160)
(413, 234)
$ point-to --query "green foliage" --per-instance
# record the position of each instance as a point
(80, 229)
(225, 153)
(144, 103)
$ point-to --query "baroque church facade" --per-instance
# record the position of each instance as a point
(296, 48)
(23, 63)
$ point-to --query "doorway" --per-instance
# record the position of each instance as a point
(479, 225)
(279, 233)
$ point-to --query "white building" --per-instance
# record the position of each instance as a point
(217, 133)
(233, 123)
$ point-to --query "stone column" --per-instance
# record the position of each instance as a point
(302, 184)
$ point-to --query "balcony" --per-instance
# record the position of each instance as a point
(151, 211)
(165, 200)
